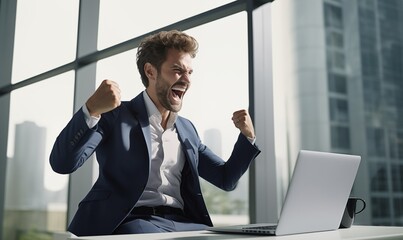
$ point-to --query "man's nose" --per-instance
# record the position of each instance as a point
(186, 77)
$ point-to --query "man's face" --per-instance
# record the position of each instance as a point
(173, 80)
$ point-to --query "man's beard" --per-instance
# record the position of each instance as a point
(163, 90)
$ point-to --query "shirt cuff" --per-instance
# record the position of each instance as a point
(252, 140)
(90, 120)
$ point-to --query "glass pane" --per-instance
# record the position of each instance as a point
(122, 69)
(378, 177)
(334, 39)
(397, 177)
(398, 209)
(220, 87)
(338, 110)
(359, 83)
(340, 138)
(381, 207)
(209, 103)
(36, 197)
(125, 19)
(45, 36)
(337, 83)
(333, 16)
(376, 142)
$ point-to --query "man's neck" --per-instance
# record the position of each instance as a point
(164, 112)
(164, 119)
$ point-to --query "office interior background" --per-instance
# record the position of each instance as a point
(322, 75)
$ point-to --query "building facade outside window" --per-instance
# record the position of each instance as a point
(359, 79)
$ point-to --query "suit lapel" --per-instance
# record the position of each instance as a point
(139, 107)
(188, 146)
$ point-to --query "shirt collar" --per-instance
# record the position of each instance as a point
(154, 115)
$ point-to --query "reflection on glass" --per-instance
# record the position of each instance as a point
(45, 30)
(126, 19)
(36, 197)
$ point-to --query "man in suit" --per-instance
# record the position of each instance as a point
(150, 159)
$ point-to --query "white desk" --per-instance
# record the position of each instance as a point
(353, 233)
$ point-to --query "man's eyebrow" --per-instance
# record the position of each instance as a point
(175, 65)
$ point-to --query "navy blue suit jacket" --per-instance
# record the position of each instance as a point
(122, 142)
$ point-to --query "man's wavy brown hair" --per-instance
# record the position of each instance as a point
(153, 49)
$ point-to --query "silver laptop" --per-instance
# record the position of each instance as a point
(315, 199)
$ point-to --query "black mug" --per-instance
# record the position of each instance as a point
(350, 211)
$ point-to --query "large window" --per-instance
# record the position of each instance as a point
(45, 36)
(36, 197)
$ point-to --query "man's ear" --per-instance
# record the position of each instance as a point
(151, 71)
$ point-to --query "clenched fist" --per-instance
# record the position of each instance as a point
(244, 123)
(104, 99)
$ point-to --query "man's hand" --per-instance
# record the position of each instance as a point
(105, 98)
(244, 123)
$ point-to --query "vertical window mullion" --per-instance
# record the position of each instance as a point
(85, 82)
(8, 10)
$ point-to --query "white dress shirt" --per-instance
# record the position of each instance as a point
(167, 161)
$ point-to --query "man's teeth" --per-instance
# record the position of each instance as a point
(179, 89)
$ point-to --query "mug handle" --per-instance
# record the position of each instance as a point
(363, 205)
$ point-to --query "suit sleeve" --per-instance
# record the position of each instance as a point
(74, 145)
(226, 174)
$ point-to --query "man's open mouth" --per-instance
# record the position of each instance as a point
(178, 91)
